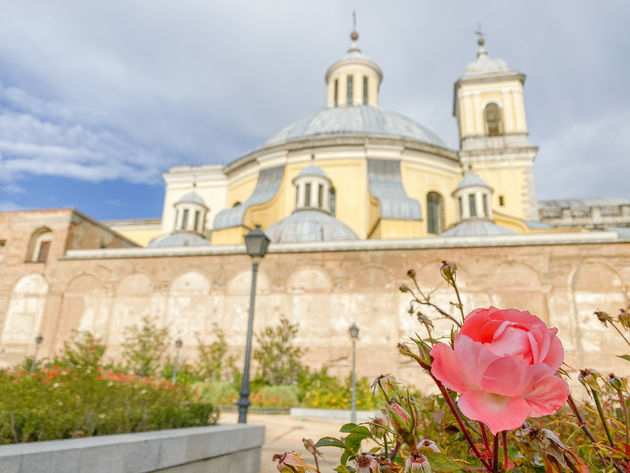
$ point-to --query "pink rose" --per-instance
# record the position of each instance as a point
(504, 364)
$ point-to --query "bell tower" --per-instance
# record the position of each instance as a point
(493, 136)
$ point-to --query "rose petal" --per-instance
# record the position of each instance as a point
(546, 392)
(497, 412)
(473, 357)
(512, 341)
(507, 376)
(447, 369)
(555, 356)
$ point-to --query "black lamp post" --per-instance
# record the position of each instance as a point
(256, 243)
(354, 334)
(178, 345)
(38, 341)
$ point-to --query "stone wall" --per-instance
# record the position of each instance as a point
(192, 450)
(324, 290)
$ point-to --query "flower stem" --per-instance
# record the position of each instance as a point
(460, 306)
(506, 459)
(462, 427)
(624, 409)
(392, 456)
(600, 411)
(619, 332)
(495, 453)
(425, 301)
(585, 429)
(484, 434)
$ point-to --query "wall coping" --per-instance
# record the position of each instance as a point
(536, 239)
(140, 452)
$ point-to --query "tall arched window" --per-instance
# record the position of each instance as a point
(39, 245)
(435, 212)
(333, 201)
(492, 115)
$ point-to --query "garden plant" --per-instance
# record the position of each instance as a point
(503, 404)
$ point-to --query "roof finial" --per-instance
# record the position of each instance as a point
(354, 36)
(479, 33)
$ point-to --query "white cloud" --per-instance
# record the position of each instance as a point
(8, 206)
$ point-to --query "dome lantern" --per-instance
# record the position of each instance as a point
(353, 80)
(190, 214)
(312, 189)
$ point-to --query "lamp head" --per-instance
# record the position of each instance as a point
(178, 343)
(39, 339)
(256, 243)
(354, 331)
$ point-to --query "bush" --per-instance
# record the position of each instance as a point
(223, 393)
(144, 347)
(320, 390)
(64, 403)
(281, 396)
(279, 362)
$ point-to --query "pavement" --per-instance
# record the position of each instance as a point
(284, 432)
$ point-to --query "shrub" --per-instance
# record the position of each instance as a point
(278, 359)
(64, 403)
(281, 396)
(144, 347)
(216, 392)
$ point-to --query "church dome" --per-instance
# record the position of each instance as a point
(471, 180)
(309, 225)
(193, 198)
(312, 170)
(355, 121)
(476, 227)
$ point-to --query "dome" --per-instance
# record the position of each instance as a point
(309, 225)
(471, 180)
(312, 170)
(193, 198)
(178, 239)
(476, 227)
(358, 120)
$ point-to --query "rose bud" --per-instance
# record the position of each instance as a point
(448, 271)
(399, 419)
(624, 319)
(376, 427)
(404, 288)
(603, 317)
(417, 463)
(615, 382)
(411, 273)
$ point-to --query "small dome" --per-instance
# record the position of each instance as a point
(309, 225)
(476, 227)
(471, 180)
(312, 170)
(484, 64)
(177, 240)
(355, 121)
(192, 197)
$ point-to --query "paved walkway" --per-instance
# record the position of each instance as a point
(283, 432)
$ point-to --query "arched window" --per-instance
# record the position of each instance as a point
(349, 90)
(333, 201)
(492, 115)
(39, 245)
(435, 212)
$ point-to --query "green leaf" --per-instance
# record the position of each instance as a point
(355, 429)
(353, 441)
(440, 462)
(330, 442)
(625, 357)
(342, 469)
(347, 455)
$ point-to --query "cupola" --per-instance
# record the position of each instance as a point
(312, 190)
(353, 80)
(190, 214)
(473, 198)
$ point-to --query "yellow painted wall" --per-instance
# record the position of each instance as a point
(141, 237)
(228, 236)
(397, 229)
(473, 97)
(511, 184)
(241, 189)
(418, 180)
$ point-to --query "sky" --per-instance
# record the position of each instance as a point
(98, 99)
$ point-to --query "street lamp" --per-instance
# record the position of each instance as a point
(38, 341)
(354, 334)
(256, 243)
(178, 345)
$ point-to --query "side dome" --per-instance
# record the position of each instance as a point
(312, 170)
(309, 225)
(355, 121)
(476, 227)
(192, 197)
(178, 240)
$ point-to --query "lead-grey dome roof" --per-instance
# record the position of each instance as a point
(192, 197)
(312, 170)
(476, 227)
(178, 239)
(470, 180)
(358, 120)
(309, 225)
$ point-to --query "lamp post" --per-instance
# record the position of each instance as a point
(256, 243)
(178, 345)
(38, 341)
(354, 334)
